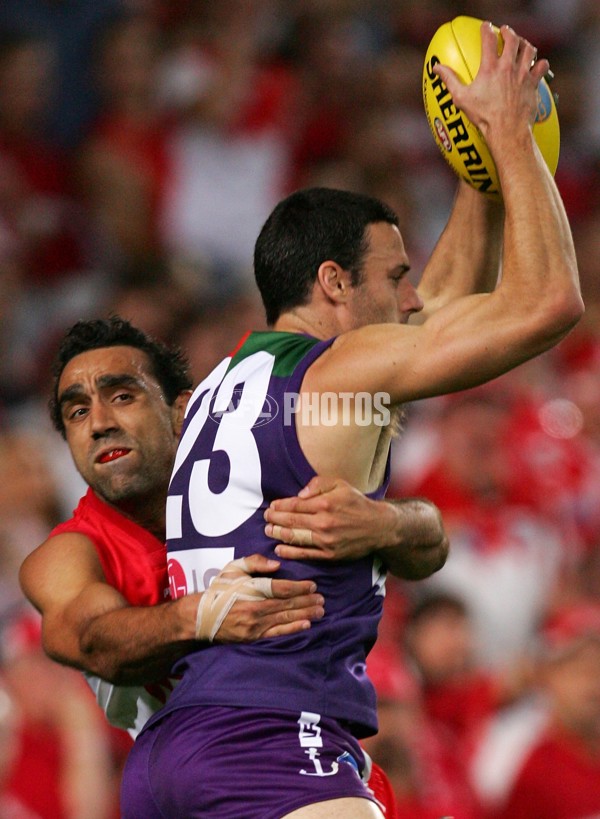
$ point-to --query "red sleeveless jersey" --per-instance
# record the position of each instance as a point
(133, 560)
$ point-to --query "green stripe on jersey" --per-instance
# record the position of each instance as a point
(288, 349)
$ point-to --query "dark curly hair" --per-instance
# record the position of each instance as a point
(168, 364)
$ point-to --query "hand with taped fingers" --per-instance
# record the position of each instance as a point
(331, 520)
(238, 607)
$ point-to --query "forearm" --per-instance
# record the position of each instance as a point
(135, 645)
(414, 545)
(539, 254)
(466, 258)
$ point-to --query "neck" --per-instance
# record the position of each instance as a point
(306, 319)
(149, 513)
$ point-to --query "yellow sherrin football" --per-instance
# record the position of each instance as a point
(458, 45)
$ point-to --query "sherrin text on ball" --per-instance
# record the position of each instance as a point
(457, 44)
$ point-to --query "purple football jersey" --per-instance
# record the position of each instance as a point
(239, 450)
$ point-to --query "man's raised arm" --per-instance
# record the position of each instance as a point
(475, 338)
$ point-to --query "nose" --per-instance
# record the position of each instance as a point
(102, 420)
(411, 301)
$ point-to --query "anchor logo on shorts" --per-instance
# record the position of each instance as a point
(313, 755)
(310, 738)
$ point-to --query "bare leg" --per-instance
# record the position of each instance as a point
(348, 808)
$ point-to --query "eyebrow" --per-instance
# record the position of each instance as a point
(76, 392)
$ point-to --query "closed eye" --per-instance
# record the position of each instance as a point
(399, 273)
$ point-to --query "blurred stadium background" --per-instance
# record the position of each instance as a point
(142, 145)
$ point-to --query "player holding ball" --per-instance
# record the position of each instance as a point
(344, 319)
(272, 729)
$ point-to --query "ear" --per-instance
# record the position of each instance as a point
(334, 281)
(178, 410)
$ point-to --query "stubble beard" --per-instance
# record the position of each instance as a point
(143, 484)
(125, 488)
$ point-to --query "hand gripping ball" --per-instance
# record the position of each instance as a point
(458, 45)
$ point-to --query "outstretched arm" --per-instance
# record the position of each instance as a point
(331, 520)
(89, 625)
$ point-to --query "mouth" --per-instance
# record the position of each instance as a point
(110, 455)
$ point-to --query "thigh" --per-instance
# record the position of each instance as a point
(338, 809)
(231, 762)
(136, 786)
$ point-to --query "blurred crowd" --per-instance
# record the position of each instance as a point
(142, 145)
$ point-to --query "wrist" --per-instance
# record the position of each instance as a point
(390, 530)
(507, 146)
(184, 612)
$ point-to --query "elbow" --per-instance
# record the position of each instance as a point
(570, 309)
(435, 548)
(436, 560)
(107, 670)
(443, 552)
(100, 663)
(564, 316)
(439, 543)
(426, 561)
(557, 316)
(567, 302)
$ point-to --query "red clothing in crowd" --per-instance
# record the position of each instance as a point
(575, 782)
(37, 203)
(461, 707)
(36, 770)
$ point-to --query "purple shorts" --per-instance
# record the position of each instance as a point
(229, 763)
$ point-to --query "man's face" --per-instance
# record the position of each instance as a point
(121, 432)
(385, 294)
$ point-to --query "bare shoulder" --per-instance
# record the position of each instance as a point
(355, 344)
(62, 564)
(372, 334)
(360, 359)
